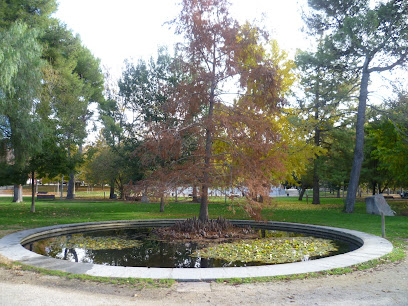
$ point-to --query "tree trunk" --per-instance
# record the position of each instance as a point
(338, 192)
(121, 191)
(316, 178)
(18, 194)
(112, 189)
(162, 203)
(62, 186)
(344, 188)
(316, 183)
(121, 187)
(301, 193)
(359, 147)
(195, 196)
(32, 192)
(70, 188)
(203, 216)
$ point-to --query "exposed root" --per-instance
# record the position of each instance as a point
(194, 229)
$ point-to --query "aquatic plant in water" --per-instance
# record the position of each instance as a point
(267, 250)
(94, 243)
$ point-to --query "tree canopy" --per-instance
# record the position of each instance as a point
(47, 80)
(20, 81)
(228, 109)
(203, 138)
(363, 39)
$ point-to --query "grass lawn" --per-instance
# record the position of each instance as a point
(17, 216)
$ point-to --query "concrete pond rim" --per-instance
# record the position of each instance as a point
(370, 247)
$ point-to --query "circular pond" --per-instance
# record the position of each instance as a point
(140, 247)
(368, 247)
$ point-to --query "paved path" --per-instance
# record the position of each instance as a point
(384, 285)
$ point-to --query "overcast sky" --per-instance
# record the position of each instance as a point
(133, 29)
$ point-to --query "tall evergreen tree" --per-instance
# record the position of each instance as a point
(21, 21)
(34, 13)
(145, 89)
(362, 39)
(72, 80)
(20, 81)
(325, 91)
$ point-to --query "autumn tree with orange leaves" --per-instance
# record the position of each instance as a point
(210, 139)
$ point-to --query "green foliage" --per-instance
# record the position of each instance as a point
(386, 145)
(32, 12)
(72, 80)
(327, 90)
(145, 90)
(396, 110)
(102, 164)
(12, 174)
(336, 164)
(52, 160)
(145, 87)
(43, 102)
(19, 51)
(361, 37)
(390, 153)
(361, 31)
(142, 92)
(20, 81)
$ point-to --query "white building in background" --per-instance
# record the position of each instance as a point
(278, 192)
(218, 192)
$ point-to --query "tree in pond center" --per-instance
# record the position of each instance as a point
(207, 138)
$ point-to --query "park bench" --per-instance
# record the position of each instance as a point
(388, 197)
(45, 196)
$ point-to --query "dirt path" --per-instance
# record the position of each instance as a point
(383, 285)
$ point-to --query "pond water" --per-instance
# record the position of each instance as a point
(137, 247)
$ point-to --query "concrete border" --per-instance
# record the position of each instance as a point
(371, 247)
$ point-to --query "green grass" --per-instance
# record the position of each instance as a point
(329, 213)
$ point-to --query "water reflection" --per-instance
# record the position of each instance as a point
(72, 252)
(147, 252)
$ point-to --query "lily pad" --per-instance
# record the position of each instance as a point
(267, 250)
(94, 243)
